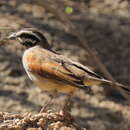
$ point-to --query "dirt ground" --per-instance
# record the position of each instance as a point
(106, 26)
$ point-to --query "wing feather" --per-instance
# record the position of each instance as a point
(56, 71)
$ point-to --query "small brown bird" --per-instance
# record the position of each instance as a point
(52, 71)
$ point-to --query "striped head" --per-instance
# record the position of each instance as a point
(30, 37)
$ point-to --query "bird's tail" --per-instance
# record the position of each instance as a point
(125, 90)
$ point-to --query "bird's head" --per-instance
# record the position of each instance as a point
(30, 37)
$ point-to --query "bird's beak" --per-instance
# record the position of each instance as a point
(12, 36)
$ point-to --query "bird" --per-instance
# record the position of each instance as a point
(52, 71)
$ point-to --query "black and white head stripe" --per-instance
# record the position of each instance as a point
(30, 37)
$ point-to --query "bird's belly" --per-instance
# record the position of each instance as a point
(52, 85)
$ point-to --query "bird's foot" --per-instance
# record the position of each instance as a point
(66, 114)
(45, 107)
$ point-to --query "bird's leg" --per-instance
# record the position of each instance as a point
(52, 95)
(44, 108)
(68, 104)
(65, 112)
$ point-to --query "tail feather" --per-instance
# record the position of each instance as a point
(124, 90)
(96, 81)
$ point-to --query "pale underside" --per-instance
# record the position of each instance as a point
(52, 85)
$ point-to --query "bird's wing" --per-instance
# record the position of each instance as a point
(83, 73)
(88, 77)
(60, 69)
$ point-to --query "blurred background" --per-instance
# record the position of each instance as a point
(74, 28)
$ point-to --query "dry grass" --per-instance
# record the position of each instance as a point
(42, 121)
